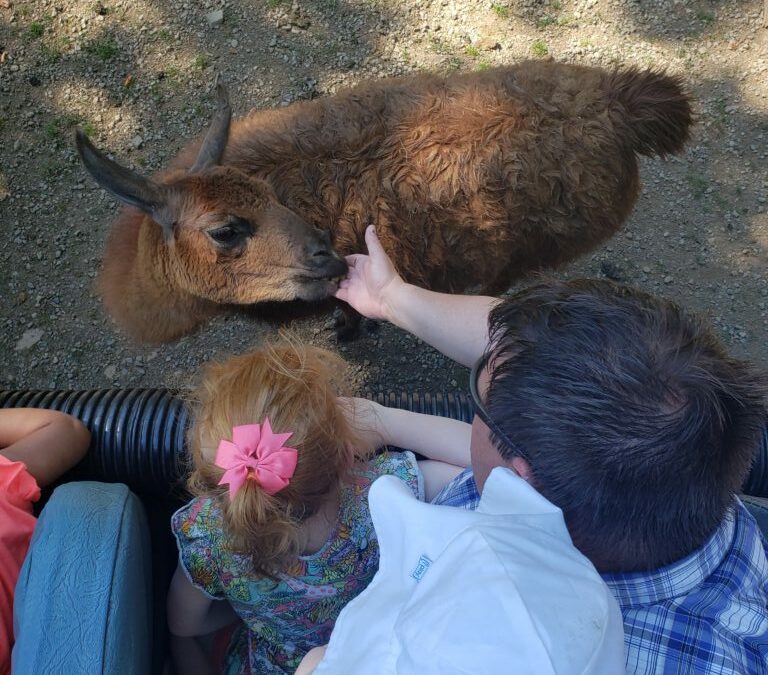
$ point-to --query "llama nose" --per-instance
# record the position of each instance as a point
(323, 258)
(320, 246)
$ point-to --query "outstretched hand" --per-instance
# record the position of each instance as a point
(370, 280)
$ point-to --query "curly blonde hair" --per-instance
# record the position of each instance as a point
(297, 387)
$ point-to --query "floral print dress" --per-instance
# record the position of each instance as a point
(283, 620)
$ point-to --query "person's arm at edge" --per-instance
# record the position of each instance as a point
(48, 442)
(456, 325)
(191, 612)
(311, 660)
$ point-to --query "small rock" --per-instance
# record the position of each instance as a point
(488, 44)
(612, 271)
(215, 18)
(29, 339)
(137, 142)
(109, 372)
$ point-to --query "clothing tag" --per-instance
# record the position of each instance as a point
(421, 567)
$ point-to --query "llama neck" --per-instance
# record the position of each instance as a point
(340, 126)
(139, 290)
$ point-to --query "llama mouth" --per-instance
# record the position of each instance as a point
(335, 277)
(327, 274)
(317, 288)
(307, 279)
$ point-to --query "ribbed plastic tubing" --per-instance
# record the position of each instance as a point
(138, 435)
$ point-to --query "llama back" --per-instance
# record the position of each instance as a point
(650, 108)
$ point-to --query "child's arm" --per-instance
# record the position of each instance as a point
(438, 438)
(444, 441)
(191, 612)
(47, 441)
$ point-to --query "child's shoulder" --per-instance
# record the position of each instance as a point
(401, 464)
(388, 461)
(199, 516)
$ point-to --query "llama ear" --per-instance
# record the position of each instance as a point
(215, 140)
(126, 185)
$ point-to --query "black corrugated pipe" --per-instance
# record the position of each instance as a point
(138, 435)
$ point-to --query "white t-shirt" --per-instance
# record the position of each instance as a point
(493, 591)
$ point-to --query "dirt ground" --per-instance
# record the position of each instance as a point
(137, 76)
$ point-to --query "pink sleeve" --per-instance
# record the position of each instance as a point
(17, 484)
(18, 490)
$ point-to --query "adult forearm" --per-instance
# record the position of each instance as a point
(456, 325)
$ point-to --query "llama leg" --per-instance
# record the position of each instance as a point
(346, 322)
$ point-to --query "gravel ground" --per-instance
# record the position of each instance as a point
(138, 74)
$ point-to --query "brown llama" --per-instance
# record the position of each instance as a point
(472, 180)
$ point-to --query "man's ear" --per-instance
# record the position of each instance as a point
(522, 469)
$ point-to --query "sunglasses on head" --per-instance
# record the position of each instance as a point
(482, 413)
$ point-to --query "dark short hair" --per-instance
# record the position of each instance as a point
(638, 424)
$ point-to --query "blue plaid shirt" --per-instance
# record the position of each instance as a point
(707, 613)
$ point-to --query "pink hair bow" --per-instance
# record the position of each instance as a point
(255, 451)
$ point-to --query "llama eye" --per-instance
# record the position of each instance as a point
(233, 235)
(224, 235)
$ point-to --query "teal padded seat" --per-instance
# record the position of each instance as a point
(83, 601)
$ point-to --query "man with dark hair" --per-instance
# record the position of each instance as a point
(604, 387)
(626, 413)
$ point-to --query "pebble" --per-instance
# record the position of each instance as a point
(29, 339)
(215, 18)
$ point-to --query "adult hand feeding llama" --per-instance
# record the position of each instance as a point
(472, 180)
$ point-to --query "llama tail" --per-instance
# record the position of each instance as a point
(654, 108)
